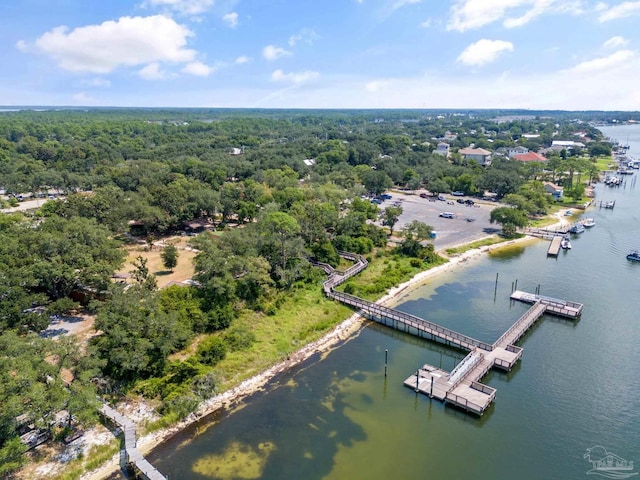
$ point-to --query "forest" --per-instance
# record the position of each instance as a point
(281, 189)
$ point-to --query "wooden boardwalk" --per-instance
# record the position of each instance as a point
(130, 453)
(554, 246)
(460, 387)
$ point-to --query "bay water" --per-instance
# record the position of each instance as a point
(337, 416)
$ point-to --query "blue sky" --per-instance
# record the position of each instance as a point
(538, 54)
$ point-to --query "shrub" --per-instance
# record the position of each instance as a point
(212, 350)
(239, 338)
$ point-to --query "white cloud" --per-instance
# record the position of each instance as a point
(82, 98)
(22, 46)
(484, 51)
(271, 52)
(623, 10)
(130, 41)
(152, 72)
(426, 23)
(376, 85)
(470, 14)
(295, 78)
(401, 3)
(198, 69)
(307, 35)
(231, 19)
(242, 59)
(601, 64)
(186, 7)
(615, 42)
(98, 82)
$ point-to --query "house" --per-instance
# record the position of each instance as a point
(442, 149)
(198, 225)
(556, 191)
(519, 150)
(236, 151)
(530, 157)
(567, 144)
(480, 155)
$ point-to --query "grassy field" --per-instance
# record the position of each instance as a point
(183, 271)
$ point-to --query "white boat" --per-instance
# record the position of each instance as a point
(577, 228)
(565, 243)
(588, 222)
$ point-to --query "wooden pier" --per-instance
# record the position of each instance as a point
(461, 387)
(130, 455)
(554, 246)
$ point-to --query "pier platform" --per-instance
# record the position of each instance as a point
(461, 387)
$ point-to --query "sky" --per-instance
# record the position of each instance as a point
(535, 54)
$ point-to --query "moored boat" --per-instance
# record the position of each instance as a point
(634, 255)
(577, 228)
(588, 222)
(565, 243)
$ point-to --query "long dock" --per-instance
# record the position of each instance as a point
(130, 453)
(460, 387)
(554, 247)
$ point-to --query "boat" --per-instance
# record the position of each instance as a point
(565, 243)
(634, 255)
(568, 213)
(588, 222)
(577, 228)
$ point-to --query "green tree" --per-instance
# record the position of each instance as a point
(170, 256)
(390, 217)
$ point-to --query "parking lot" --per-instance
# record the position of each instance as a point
(469, 222)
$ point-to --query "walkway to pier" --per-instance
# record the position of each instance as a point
(461, 386)
(130, 453)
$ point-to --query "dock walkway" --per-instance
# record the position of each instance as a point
(130, 453)
(460, 387)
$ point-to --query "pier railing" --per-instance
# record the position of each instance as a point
(373, 309)
(464, 367)
(526, 316)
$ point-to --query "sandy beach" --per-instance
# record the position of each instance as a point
(341, 333)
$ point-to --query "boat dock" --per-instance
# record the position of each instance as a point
(554, 246)
(461, 387)
(129, 454)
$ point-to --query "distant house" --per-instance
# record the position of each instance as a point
(309, 161)
(519, 150)
(480, 155)
(567, 144)
(530, 157)
(556, 191)
(236, 151)
(442, 149)
(197, 225)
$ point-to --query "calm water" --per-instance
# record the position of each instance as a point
(338, 417)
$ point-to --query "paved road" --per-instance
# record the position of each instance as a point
(26, 205)
(450, 232)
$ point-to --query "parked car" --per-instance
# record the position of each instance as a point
(424, 195)
(457, 193)
(469, 201)
(441, 198)
(460, 200)
(447, 215)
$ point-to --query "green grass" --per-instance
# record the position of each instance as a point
(96, 457)
(485, 242)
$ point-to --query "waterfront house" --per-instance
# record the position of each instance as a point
(530, 157)
(556, 191)
(519, 150)
(480, 155)
(442, 149)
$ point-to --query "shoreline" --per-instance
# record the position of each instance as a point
(341, 333)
